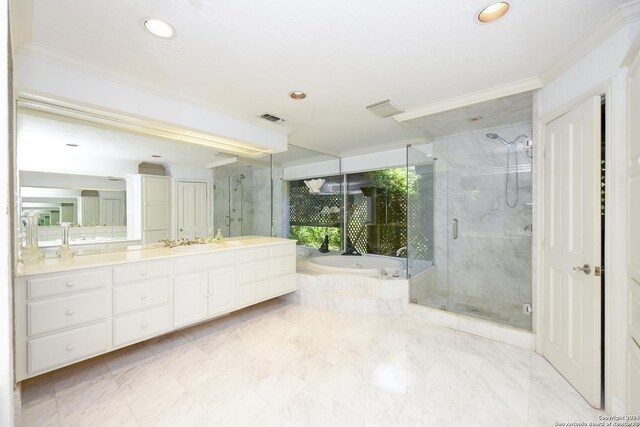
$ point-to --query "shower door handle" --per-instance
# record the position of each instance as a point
(455, 228)
(227, 220)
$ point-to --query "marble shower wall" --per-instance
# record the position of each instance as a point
(487, 269)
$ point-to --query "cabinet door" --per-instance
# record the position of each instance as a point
(222, 290)
(156, 202)
(90, 211)
(190, 298)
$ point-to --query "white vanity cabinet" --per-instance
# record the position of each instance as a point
(60, 319)
(282, 267)
(141, 301)
(68, 316)
(204, 287)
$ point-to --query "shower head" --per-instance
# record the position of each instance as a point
(498, 137)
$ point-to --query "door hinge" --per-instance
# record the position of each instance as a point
(527, 309)
(597, 271)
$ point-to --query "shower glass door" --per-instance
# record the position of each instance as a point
(426, 270)
(489, 225)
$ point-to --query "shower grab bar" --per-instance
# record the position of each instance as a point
(455, 228)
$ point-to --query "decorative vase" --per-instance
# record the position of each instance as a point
(64, 252)
(32, 253)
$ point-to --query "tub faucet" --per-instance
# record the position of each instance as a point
(351, 250)
(399, 251)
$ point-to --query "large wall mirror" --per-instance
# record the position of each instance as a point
(93, 206)
(91, 175)
(307, 197)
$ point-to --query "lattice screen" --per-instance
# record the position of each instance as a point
(382, 231)
(313, 209)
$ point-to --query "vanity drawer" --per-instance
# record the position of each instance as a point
(252, 293)
(135, 327)
(284, 284)
(53, 315)
(283, 265)
(48, 286)
(59, 349)
(140, 296)
(204, 262)
(252, 272)
(283, 250)
(139, 272)
(252, 255)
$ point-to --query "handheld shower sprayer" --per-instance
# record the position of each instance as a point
(506, 180)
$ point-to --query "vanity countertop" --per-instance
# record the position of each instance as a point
(55, 265)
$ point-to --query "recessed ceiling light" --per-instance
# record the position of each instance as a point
(159, 28)
(157, 156)
(72, 145)
(296, 94)
(493, 12)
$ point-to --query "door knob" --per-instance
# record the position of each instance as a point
(586, 269)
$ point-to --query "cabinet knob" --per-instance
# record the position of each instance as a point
(71, 312)
(71, 347)
(144, 325)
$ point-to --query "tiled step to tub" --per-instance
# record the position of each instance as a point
(352, 303)
(354, 294)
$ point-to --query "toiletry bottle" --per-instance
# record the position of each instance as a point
(219, 236)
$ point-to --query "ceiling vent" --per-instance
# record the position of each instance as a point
(272, 118)
(383, 109)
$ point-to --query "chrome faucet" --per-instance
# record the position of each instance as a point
(399, 251)
(350, 249)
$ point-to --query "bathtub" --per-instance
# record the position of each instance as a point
(366, 264)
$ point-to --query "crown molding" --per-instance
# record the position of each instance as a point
(614, 22)
(473, 98)
(54, 56)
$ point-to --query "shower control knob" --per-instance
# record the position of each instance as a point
(586, 269)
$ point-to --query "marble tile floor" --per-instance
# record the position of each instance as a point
(493, 310)
(280, 364)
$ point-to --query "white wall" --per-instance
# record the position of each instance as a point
(32, 74)
(6, 324)
(602, 69)
(396, 157)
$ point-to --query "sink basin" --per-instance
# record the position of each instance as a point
(195, 248)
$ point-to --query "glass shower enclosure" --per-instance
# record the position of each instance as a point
(470, 224)
(242, 199)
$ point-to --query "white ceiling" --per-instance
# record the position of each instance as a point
(245, 56)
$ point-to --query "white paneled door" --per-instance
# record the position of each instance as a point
(571, 282)
(192, 209)
(633, 251)
(111, 212)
